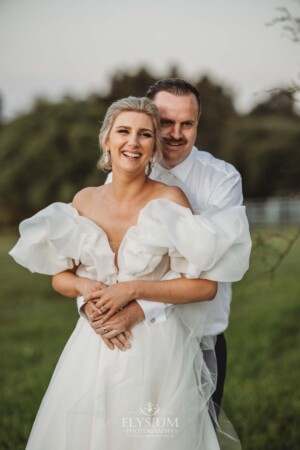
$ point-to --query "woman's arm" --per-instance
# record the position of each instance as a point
(70, 285)
(177, 291)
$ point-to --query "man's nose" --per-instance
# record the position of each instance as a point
(176, 132)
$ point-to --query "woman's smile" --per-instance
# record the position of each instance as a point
(131, 154)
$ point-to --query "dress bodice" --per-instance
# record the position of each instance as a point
(214, 245)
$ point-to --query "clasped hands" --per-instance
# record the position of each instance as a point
(110, 299)
(112, 312)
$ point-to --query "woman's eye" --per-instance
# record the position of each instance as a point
(123, 131)
(147, 135)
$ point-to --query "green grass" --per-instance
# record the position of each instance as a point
(262, 393)
(35, 324)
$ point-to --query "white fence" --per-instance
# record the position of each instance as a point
(273, 211)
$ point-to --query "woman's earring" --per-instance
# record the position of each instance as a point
(150, 165)
(106, 157)
(152, 161)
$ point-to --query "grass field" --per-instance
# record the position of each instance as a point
(262, 394)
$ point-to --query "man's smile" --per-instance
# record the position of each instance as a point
(174, 144)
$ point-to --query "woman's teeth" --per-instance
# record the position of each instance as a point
(131, 155)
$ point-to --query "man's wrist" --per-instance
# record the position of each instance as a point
(139, 310)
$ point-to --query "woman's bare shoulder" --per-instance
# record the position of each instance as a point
(173, 193)
(86, 196)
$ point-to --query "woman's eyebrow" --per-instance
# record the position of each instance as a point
(146, 129)
(140, 129)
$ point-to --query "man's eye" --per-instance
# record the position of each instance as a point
(165, 123)
(187, 124)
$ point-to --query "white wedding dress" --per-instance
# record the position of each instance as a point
(154, 396)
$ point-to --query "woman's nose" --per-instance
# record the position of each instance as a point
(133, 140)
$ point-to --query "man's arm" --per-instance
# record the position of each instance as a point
(228, 192)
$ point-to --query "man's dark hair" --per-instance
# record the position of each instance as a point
(175, 86)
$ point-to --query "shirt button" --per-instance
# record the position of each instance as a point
(152, 320)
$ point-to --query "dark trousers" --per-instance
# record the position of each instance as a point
(221, 356)
(221, 360)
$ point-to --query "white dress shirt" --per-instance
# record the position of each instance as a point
(207, 182)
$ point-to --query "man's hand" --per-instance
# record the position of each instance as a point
(119, 325)
(121, 341)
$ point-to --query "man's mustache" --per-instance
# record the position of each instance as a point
(174, 141)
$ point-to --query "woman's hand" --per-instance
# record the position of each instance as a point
(86, 287)
(111, 299)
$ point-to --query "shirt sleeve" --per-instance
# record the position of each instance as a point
(80, 302)
(108, 178)
(228, 192)
(155, 312)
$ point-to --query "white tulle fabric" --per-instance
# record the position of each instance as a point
(99, 398)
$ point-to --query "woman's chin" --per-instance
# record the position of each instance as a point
(130, 166)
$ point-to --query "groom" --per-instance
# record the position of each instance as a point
(207, 182)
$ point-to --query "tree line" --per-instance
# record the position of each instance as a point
(50, 153)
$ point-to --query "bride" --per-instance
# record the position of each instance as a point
(155, 395)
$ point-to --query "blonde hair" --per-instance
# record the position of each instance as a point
(130, 104)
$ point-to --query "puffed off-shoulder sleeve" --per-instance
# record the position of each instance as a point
(215, 245)
(42, 237)
(57, 236)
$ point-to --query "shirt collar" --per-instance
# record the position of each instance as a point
(181, 170)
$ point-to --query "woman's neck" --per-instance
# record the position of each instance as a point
(128, 187)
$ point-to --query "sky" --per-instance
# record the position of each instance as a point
(50, 48)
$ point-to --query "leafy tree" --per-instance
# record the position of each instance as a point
(266, 152)
(47, 156)
(124, 84)
(217, 111)
(280, 103)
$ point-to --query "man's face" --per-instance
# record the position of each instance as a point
(179, 119)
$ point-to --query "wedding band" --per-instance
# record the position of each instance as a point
(105, 329)
(103, 309)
